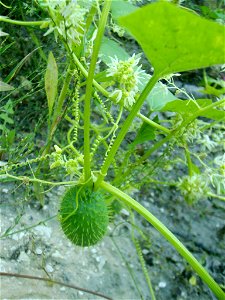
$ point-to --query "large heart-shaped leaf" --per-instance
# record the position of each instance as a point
(175, 39)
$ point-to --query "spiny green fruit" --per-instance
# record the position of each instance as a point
(84, 216)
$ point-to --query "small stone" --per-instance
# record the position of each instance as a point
(56, 254)
(162, 284)
(2, 163)
(145, 251)
(18, 236)
(93, 250)
(124, 212)
(5, 191)
(38, 251)
(43, 231)
(23, 257)
(49, 268)
(80, 293)
(101, 263)
(62, 289)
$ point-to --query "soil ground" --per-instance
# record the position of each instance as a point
(44, 251)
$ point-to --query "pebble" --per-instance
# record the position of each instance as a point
(162, 284)
(49, 268)
(18, 236)
(124, 212)
(101, 263)
(44, 231)
(38, 251)
(5, 191)
(23, 257)
(57, 254)
(145, 251)
(93, 251)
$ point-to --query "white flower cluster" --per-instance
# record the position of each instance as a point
(127, 75)
(193, 188)
(67, 19)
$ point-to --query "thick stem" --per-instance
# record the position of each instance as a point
(88, 94)
(169, 236)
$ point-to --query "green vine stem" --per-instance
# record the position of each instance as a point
(168, 235)
(172, 134)
(188, 158)
(126, 126)
(88, 94)
(216, 196)
(23, 23)
(27, 180)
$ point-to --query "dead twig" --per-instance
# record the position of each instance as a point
(55, 282)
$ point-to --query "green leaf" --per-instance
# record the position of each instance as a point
(159, 96)
(3, 49)
(6, 118)
(17, 68)
(4, 87)
(110, 48)
(121, 8)
(11, 137)
(39, 192)
(2, 33)
(146, 133)
(51, 81)
(210, 90)
(175, 39)
(188, 107)
(8, 107)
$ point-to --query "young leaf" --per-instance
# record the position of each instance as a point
(121, 8)
(175, 39)
(17, 68)
(187, 107)
(146, 133)
(159, 96)
(6, 118)
(4, 87)
(110, 48)
(2, 33)
(51, 81)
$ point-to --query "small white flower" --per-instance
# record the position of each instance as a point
(194, 187)
(68, 20)
(117, 94)
(127, 75)
(207, 142)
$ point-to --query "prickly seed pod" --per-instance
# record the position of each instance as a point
(84, 216)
